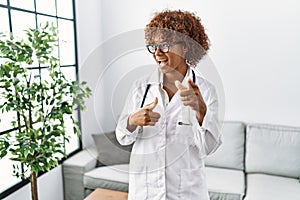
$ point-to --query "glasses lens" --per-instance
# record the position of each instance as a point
(164, 48)
(151, 48)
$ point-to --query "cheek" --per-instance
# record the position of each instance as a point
(175, 58)
(153, 56)
(177, 54)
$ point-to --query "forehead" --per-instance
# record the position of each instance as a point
(157, 35)
(158, 39)
(162, 38)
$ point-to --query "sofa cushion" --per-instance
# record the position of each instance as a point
(273, 149)
(262, 187)
(225, 184)
(73, 170)
(110, 152)
(114, 177)
(231, 153)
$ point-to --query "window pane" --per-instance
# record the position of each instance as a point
(4, 20)
(7, 117)
(22, 21)
(73, 144)
(66, 42)
(65, 9)
(24, 4)
(45, 75)
(5, 120)
(3, 2)
(70, 75)
(74, 139)
(69, 72)
(34, 74)
(41, 19)
(46, 7)
(6, 173)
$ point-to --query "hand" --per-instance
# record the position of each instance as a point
(191, 96)
(144, 117)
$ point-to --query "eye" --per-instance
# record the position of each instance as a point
(152, 46)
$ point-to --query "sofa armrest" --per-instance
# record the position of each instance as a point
(73, 172)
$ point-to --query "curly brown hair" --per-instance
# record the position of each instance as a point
(180, 24)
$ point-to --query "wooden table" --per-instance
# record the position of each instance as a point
(105, 194)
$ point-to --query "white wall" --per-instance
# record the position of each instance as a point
(254, 50)
(89, 37)
(255, 47)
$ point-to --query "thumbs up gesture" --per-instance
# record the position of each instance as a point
(144, 116)
(191, 96)
(152, 105)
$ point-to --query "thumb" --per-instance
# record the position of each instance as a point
(153, 104)
(179, 85)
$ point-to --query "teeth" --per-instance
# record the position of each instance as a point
(162, 62)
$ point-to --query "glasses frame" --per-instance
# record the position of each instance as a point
(158, 46)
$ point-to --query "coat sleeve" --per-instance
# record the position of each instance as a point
(207, 137)
(132, 104)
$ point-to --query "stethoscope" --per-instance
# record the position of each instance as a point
(145, 95)
(149, 85)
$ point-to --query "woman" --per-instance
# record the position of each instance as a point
(171, 116)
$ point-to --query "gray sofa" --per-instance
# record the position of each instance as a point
(255, 162)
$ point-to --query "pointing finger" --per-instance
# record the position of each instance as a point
(179, 85)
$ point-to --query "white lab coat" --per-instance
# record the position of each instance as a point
(167, 160)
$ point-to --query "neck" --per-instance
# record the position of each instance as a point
(171, 77)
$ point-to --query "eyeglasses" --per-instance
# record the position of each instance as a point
(162, 47)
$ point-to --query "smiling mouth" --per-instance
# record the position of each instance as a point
(162, 62)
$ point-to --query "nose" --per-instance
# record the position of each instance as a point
(158, 51)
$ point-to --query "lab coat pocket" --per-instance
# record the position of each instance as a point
(193, 184)
(148, 132)
(184, 134)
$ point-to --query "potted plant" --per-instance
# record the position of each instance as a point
(38, 138)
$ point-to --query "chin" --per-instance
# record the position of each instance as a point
(165, 69)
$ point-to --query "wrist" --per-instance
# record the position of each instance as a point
(129, 121)
(130, 125)
(200, 115)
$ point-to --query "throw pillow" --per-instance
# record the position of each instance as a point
(110, 152)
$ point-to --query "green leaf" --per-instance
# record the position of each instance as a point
(41, 134)
(3, 153)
